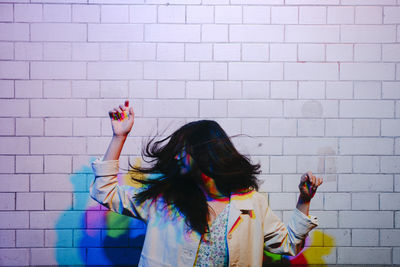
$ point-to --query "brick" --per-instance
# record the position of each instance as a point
(28, 12)
(339, 90)
(58, 32)
(213, 71)
(86, 127)
(171, 70)
(14, 220)
(30, 201)
(312, 33)
(15, 183)
(365, 237)
(255, 127)
(170, 108)
(227, 89)
(56, 13)
(14, 145)
(172, 33)
(171, 89)
(7, 202)
(14, 32)
(58, 145)
(59, 237)
(258, 145)
(396, 255)
(363, 109)
(365, 182)
(368, 15)
(6, 12)
(310, 146)
(283, 164)
(142, 51)
(63, 219)
(257, 2)
(367, 90)
(397, 183)
(350, 255)
(339, 52)
(170, 52)
(171, 14)
(114, 89)
(255, 89)
(256, 14)
(29, 164)
(58, 70)
(283, 127)
(228, 14)
(328, 219)
(85, 13)
(58, 201)
(113, 51)
(367, 71)
(56, 183)
(70, 256)
(7, 164)
(254, 108)
(226, 52)
(311, 71)
(340, 15)
(255, 52)
(199, 14)
(362, 146)
(214, 33)
(7, 238)
(390, 90)
(14, 69)
(115, 32)
(256, 33)
(368, 33)
(30, 238)
(143, 13)
(391, 15)
(283, 52)
(390, 237)
(58, 127)
(338, 164)
(198, 52)
(283, 89)
(390, 52)
(389, 201)
(270, 183)
(337, 201)
(310, 108)
(282, 201)
(115, 70)
(255, 71)
(311, 127)
(284, 15)
(100, 107)
(7, 126)
(58, 108)
(142, 89)
(199, 89)
(28, 89)
(57, 164)
(366, 219)
(213, 108)
(312, 15)
(29, 126)
(368, 2)
(365, 127)
(114, 14)
(14, 257)
(366, 164)
(367, 52)
(57, 89)
(307, 163)
(7, 89)
(6, 50)
(342, 237)
(390, 127)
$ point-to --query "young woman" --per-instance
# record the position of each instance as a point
(200, 201)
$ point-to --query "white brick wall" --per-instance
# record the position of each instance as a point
(316, 84)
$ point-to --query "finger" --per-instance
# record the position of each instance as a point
(131, 111)
(126, 103)
(319, 182)
(111, 114)
(122, 107)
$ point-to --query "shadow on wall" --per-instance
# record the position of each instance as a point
(93, 235)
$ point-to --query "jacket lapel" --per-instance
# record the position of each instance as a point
(240, 203)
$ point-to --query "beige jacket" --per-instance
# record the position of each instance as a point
(252, 226)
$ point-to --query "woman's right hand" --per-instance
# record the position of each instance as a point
(122, 119)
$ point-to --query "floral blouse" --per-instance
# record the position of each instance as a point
(213, 250)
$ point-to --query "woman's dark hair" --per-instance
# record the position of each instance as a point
(213, 154)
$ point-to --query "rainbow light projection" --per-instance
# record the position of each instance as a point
(93, 235)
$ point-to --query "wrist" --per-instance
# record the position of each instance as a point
(119, 137)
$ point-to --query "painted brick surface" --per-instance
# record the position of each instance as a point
(310, 84)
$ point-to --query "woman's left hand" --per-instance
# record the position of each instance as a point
(308, 186)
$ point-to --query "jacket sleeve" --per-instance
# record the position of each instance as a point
(118, 198)
(287, 240)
